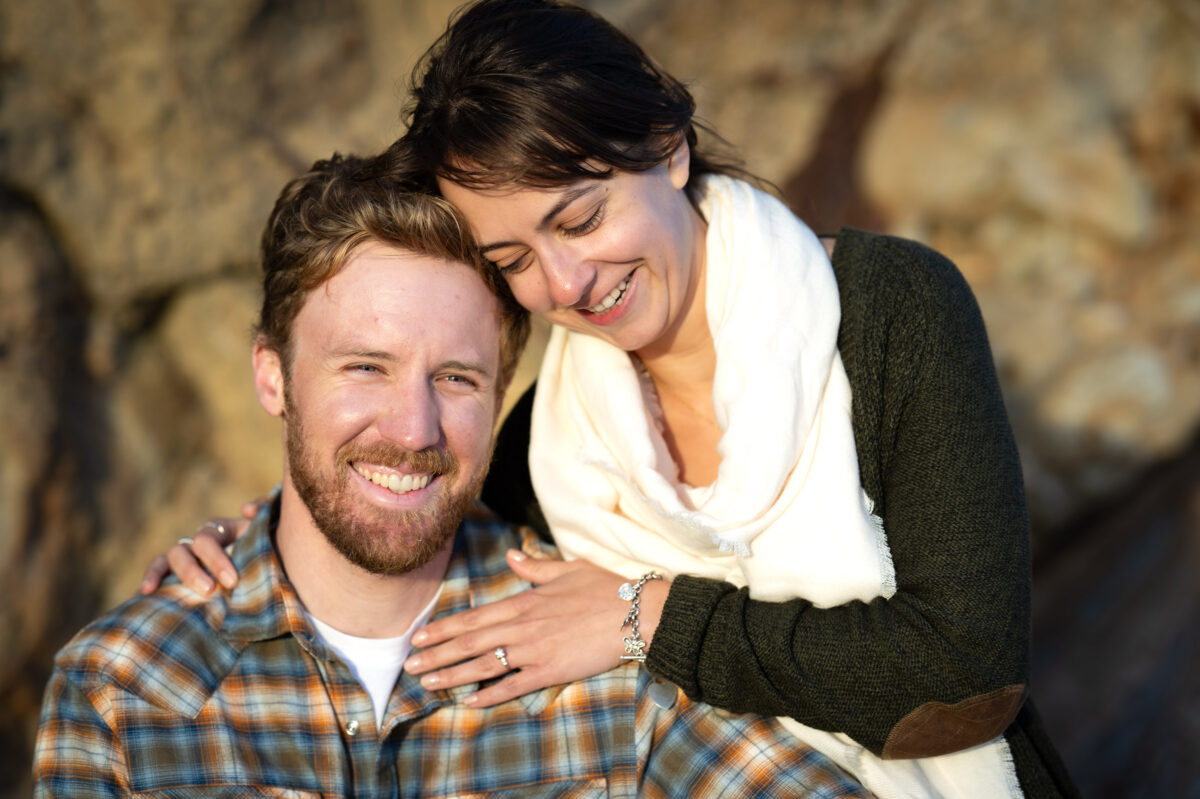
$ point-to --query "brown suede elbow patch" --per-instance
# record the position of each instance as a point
(936, 728)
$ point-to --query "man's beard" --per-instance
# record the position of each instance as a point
(389, 542)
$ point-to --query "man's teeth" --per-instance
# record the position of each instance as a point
(611, 299)
(396, 483)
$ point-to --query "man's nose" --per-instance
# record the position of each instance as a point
(413, 417)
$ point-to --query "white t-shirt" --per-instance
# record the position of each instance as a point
(375, 662)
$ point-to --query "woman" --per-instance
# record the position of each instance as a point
(865, 575)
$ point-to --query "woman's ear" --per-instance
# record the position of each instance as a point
(268, 377)
(679, 163)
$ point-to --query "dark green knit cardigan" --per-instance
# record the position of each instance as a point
(942, 664)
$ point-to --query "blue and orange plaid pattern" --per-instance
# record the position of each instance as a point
(175, 695)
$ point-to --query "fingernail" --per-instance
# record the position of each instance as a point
(207, 586)
(228, 579)
(412, 664)
(473, 699)
(420, 638)
(431, 682)
(517, 554)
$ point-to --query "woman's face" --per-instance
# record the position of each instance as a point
(615, 258)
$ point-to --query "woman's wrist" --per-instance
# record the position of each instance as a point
(652, 595)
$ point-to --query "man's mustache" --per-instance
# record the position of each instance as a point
(432, 460)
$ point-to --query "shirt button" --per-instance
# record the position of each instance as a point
(352, 728)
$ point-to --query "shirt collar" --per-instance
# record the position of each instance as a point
(264, 604)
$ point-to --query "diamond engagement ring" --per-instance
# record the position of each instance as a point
(502, 655)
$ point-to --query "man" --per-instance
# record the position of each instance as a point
(385, 344)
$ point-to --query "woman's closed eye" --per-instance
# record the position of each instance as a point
(511, 265)
(588, 225)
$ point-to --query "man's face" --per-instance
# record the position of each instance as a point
(390, 404)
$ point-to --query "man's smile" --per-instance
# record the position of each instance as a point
(395, 482)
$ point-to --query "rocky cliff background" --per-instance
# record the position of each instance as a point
(1050, 147)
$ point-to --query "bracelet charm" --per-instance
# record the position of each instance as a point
(635, 646)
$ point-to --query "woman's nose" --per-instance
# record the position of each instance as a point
(569, 276)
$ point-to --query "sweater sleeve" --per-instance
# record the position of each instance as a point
(940, 665)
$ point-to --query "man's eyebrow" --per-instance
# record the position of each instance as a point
(355, 352)
(465, 366)
(569, 196)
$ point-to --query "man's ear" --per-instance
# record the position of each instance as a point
(268, 377)
(679, 163)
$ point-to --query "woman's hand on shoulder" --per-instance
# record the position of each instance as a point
(567, 627)
(195, 560)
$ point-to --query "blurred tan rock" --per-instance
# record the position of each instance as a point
(208, 334)
(51, 442)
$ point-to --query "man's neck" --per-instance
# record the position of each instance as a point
(343, 595)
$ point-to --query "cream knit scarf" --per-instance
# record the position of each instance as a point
(786, 515)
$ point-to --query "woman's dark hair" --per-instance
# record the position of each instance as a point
(541, 93)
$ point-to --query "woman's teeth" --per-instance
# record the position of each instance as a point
(396, 483)
(611, 299)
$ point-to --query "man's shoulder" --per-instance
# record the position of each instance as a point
(483, 540)
(487, 537)
(165, 648)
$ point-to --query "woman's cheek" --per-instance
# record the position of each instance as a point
(530, 291)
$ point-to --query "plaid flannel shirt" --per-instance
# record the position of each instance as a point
(175, 695)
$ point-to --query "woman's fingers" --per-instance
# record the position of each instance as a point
(477, 669)
(517, 683)
(251, 508)
(209, 551)
(223, 531)
(536, 570)
(466, 632)
(195, 560)
(189, 571)
(154, 575)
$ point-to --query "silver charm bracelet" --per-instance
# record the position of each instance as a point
(635, 647)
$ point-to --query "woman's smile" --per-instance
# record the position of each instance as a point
(615, 305)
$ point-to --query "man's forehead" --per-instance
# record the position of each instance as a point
(379, 273)
(386, 291)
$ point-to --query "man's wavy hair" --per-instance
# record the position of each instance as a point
(542, 94)
(323, 217)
